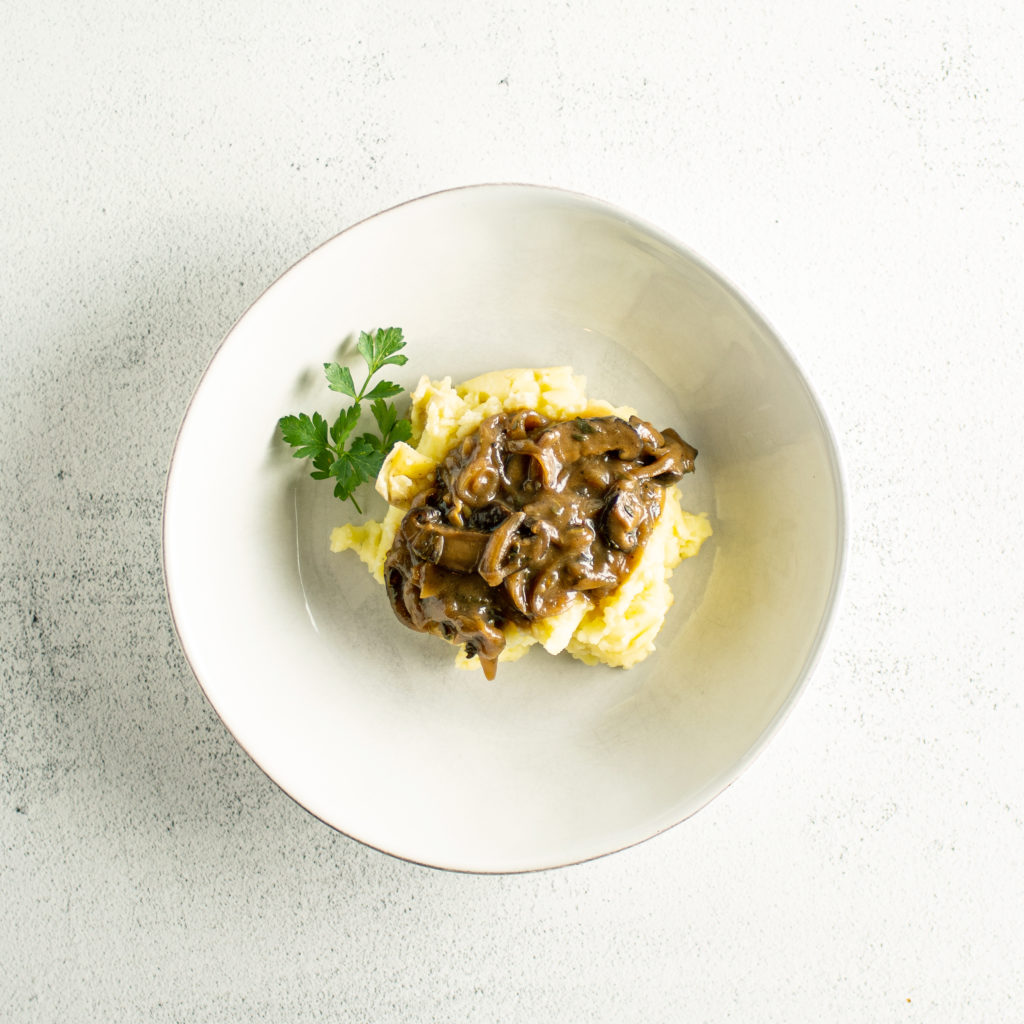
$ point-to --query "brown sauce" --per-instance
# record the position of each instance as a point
(525, 514)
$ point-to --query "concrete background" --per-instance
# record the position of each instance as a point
(855, 168)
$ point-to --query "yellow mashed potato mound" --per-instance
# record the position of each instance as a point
(619, 630)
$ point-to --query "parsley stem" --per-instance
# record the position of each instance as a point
(362, 390)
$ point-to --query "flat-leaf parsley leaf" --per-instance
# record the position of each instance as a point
(325, 444)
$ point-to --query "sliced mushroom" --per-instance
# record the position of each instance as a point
(431, 540)
(624, 514)
(492, 563)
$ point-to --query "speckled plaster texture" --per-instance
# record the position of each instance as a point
(856, 168)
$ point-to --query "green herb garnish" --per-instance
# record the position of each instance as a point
(360, 462)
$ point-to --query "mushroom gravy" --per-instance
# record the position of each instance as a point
(523, 516)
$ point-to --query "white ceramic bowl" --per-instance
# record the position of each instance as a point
(367, 724)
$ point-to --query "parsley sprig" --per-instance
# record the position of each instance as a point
(313, 438)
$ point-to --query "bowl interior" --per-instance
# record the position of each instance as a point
(369, 725)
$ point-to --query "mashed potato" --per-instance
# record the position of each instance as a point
(619, 630)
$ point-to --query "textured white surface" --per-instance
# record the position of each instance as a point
(856, 169)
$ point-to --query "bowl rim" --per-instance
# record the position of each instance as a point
(832, 601)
